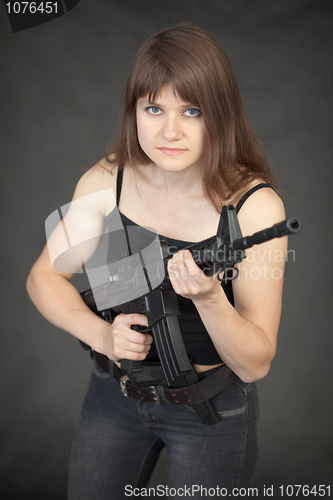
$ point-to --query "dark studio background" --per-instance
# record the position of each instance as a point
(61, 86)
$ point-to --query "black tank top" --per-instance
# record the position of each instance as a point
(198, 343)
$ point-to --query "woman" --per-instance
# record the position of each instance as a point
(184, 149)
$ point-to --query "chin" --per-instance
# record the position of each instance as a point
(172, 164)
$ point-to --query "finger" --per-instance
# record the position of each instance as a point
(193, 269)
(123, 346)
(179, 268)
(133, 319)
(181, 276)
(134, 356)
(179, 258)
(173, 270)
(139, 338)
(133, 347)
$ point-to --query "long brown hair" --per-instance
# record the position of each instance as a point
(193, 63)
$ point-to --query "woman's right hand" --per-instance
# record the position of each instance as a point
(119, 341)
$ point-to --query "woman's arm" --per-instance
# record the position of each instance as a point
(59, 301)
(244, 335)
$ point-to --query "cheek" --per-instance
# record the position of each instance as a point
(143, 135)
(140, 132)
(201, 140)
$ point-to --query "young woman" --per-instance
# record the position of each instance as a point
(184, 149)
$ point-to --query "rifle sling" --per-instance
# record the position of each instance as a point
(191, 395)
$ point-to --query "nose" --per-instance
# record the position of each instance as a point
(172, 128)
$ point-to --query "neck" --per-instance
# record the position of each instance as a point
(184, 183)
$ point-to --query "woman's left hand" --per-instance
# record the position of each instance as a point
(188, 279)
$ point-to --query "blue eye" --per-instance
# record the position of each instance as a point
(193, 112)
(154, 110)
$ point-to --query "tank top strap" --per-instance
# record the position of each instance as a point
(248, 194)
(119, 183)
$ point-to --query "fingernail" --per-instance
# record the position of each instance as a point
(186, 252)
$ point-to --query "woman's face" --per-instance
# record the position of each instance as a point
(170, 131)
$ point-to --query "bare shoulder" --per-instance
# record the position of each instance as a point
(98, 185)
(98, 178)
(262, 209)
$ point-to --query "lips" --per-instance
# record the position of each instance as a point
(172, 151)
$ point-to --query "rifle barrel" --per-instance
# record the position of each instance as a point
(289, 226)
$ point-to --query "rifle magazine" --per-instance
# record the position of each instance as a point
(171, 350)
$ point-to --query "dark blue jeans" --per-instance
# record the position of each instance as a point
(118, 439)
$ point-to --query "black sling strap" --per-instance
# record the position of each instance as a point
(119, 183)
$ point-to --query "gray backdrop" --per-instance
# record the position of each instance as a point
(61, 87)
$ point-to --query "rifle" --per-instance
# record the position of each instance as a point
(215, 255)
